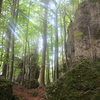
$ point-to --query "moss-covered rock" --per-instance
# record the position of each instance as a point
(80, 83)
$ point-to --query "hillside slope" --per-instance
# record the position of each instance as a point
(80, 83)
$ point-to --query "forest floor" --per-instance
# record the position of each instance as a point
(28, 94)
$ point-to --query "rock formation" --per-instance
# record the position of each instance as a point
(29, 78)
(84, 32)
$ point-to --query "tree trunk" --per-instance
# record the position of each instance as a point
(26, 48)
(2, 42)
(14, 16)
(12, 58)
(56, 48)
(52, 54)
(1, 1)
(42, 73)
(48, 68)
(63, 37)
(6, 62)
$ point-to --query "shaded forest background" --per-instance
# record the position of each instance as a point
(36, 40)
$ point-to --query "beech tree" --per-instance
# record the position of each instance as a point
(42, 74)
(6, 56)
(56, 44)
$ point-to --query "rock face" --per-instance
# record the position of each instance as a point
(29, 78)
(84, 32)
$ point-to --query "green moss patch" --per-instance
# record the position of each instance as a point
(80, 83)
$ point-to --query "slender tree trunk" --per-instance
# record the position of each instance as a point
(2, 49)
(14, 16)
(62, 36)
(42, 73)
(48, 68)
(52, 62)
(12, 58)
(1, 2)
(29, 64)
(56, 48)
(6, 62)
(26, 47)
(23, 68)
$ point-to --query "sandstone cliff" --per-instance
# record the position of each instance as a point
(84, 32)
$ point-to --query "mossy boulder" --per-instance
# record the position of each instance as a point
(80, 83)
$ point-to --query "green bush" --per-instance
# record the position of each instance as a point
(6, 92)
(80, 83)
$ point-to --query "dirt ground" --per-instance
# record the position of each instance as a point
(28, 94)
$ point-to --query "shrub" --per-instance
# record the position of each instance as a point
(5, 90)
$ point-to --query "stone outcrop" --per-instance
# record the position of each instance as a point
(84, 32)
(29, 76)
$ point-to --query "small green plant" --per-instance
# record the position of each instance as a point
(34, 93)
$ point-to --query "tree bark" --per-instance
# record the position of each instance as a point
(1, 1)
(52, 54)
(6, 62)
(56, 74)
(14, 16)
(48, 68)
(42, 73)
(63, 39)
(2, 49)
